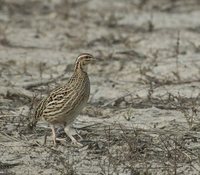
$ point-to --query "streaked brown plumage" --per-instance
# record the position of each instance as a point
(64, 103)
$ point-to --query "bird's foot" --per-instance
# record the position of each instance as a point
(63, 141)
(73, 131)
(76, 143)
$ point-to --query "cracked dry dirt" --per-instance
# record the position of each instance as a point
(143, 113)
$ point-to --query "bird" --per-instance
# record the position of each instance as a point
(64, 103)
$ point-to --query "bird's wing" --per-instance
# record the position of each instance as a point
(60, 100)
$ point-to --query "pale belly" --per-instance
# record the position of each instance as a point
(69, 118)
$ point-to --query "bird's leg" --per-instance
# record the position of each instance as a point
(72, 130)
(69, 131)
(45, 138)
(76, 133)
(53, 135)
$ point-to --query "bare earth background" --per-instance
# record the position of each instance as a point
(143, 113)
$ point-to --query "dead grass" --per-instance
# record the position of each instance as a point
(159, 84)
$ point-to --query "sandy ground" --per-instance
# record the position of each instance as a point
(143, 114)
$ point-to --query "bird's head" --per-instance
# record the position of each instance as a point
(83, 60)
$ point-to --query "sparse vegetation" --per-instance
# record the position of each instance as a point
(143, 117)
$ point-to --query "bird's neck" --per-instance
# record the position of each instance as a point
(79, 68)
(79, 73)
